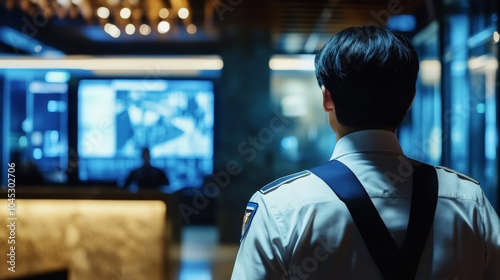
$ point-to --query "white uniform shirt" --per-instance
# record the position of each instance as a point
(301, 230)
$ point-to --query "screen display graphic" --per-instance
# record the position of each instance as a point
(117, 118)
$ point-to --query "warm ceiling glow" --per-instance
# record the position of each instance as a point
(125, 13)
(496, 36)
(145, 29)
(103, 12)
(130, 29)
(121, 13)
(137, 14)
(163, 13)
(163, 27)
(191, 28)
(183, 13)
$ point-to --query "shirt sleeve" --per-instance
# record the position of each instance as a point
(491, 223)
(260, 255)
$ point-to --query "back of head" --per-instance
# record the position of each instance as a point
(371, 74)
(145, 156)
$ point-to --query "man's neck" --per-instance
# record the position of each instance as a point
(344, 130)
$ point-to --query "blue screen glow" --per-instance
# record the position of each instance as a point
(173, 118)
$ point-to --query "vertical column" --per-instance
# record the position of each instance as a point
(445, 99)
(244, 139)
(5, 126)
(497, 97)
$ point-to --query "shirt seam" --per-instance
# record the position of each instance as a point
(273, 214)
(280, 213)
(384, 152)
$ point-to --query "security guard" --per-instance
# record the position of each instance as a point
(370, 212)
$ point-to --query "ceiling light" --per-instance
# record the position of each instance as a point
(120, 12)
(191, 28)
(496, 36)
(103, 12)
(164, 13)
(63, 2)
(183, 13)
(144, 29)
(114, 31)
(292, 62)
(163, 27)
(130, 29)
(125, 13)
(107, 26)
(115, 34)
(97, 63)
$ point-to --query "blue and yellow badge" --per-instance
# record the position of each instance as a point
(247, 218)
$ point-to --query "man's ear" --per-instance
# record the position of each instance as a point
(328, 105)
(412, 99)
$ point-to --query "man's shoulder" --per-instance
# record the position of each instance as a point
(157, 169)
(288, 179)
(451, 172)
(291, 193)
(136, 171)
(456, 185)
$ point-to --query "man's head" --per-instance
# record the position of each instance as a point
(145, 156)
(369, 73)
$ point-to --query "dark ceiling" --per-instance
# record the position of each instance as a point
(295, 26)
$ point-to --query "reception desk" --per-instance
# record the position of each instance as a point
(88, 233)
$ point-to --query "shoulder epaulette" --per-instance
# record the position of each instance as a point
(460, 175)
(283, 180)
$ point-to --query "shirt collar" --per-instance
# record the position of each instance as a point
(371, 140)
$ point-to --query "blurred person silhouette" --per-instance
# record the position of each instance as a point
(146, 176)
(370, 212)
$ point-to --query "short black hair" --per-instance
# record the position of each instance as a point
(370, 73)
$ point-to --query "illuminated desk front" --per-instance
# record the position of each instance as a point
(90, 238)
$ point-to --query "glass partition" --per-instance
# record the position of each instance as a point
(308, 139)
(454, 118)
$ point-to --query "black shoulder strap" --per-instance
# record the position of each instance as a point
(393, 263)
